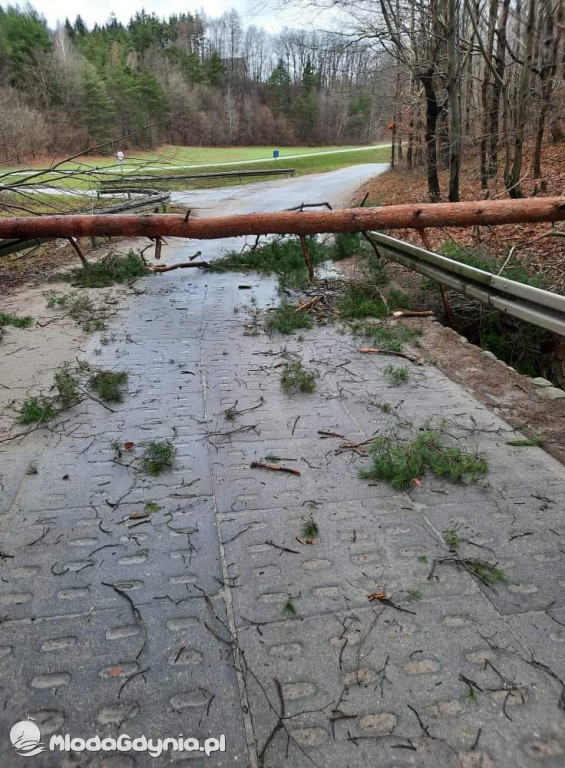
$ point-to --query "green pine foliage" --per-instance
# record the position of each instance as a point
(8, 318)
(285, 319)
(400, 462)
(108, 271)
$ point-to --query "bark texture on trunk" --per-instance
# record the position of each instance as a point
(454, 101)
(513, 183)
(413, 216)
(433, 110)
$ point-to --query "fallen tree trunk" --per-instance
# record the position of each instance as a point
(289, 222)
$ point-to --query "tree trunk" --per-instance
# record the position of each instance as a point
(443, 140)
(433, 110)
(536, 160)
(550, 48)
(411, 216)
(556, 130)
(485, 88)
(500, 66)
(454, 101)
(514, 185)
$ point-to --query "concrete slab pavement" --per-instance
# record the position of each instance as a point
(215, 615)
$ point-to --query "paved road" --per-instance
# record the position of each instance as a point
(335, 188)
(180, 623)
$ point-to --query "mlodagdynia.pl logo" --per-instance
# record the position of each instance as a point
(26, 738)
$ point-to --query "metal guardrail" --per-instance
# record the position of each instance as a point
(217, 175)
(541, 308)
(145, 203)
(151, 200)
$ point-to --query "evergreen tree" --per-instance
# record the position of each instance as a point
(98, 109)
(279, 88)
(25, 37)
(305, 107)
(80, 26)
(310, 80)
(214, 69)
(69, 29)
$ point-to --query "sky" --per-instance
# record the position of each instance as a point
(265, 13)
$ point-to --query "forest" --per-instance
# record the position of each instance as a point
(187, 80)
(442, 79)
(471, 77)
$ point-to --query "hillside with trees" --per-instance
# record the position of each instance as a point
(188, 80)
(470, 77)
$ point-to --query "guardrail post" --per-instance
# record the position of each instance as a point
(444, 296)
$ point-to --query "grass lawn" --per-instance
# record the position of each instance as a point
(302, 166)
(207, 160)
(204, 156)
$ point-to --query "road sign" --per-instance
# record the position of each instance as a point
(276, 153)
(120, 156)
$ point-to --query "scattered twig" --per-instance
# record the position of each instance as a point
(413, 313)
(282, 549)
(381, 351)
(307, 304)
(329, 433)
(274, 468)
(302, 206)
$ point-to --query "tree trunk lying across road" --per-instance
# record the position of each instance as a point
(290, 222)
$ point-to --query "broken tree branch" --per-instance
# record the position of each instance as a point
(78, 252)
(413, 313)
(181, 265)
(307, 304)
(307, 257)
(274, 468)
(380, 351)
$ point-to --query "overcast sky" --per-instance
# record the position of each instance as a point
(260, 12)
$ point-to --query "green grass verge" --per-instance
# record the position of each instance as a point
(206, 160)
